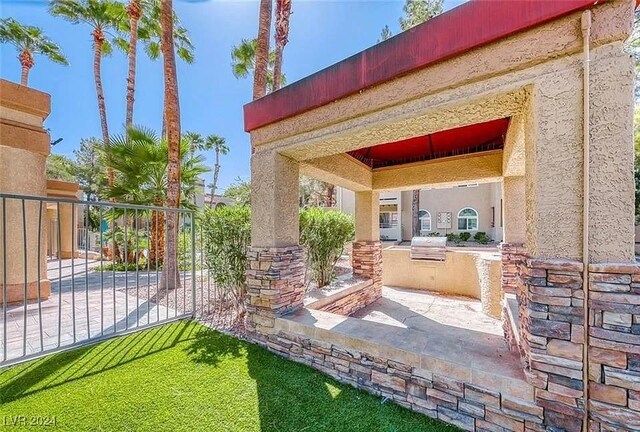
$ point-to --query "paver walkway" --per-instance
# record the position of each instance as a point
(84, 304)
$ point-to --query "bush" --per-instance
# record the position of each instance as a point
(465, 236)
(434, 234)
(227, 235)
(323, 235)
(454, 238)
(482, 237)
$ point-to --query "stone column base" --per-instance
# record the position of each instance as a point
(366, 261)
(275, 285)
(15, 292)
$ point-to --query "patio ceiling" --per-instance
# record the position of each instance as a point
(452, 142)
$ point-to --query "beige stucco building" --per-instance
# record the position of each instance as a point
(473, 207)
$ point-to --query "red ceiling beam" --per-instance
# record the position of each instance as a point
(459, 30)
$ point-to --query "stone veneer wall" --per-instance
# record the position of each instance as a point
(551, 310)
(513, 255)
(470, 407)
(275, 285)
(614, 347)
(365, 294)
(366, 260)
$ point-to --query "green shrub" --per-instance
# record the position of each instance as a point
(454, 238)
(465, 236)
(227, 235)
(323, 235)
(482, 237)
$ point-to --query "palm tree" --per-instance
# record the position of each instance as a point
(211, 142)
(243, 62)
(134, 10)
(140, 160)
(262, 50)
(144, 25)
(103, 16)
(29, 40)
(283, 12)
(172, 118)
(219, 146)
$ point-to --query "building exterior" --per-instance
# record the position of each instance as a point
(203, 199)
(471, 207)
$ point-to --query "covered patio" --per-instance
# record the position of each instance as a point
(536, 95)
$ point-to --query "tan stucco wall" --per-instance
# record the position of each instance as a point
(514, 204)
(462, 272)
(367, 216)
(481, 198)
(485, 167)
(274, 200)
(340, 170)
(24, 146)
(611, 21)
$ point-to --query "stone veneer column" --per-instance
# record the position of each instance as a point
(275, 268)
(552, 320)
(366, 258)
(24, 147)
(614, 347)
(275, 285)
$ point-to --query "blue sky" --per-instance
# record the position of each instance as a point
(211, 98)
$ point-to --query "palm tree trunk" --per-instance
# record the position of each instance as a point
(415, 213)
(134, 11)
(262, 50)
(172, 117)
(283, 12)
(277, 68)
(24, 76)
(216, 171)
(98, 39)
(26, 60)
(156, 238)
(329, 195)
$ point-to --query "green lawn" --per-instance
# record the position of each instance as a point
(185, 377)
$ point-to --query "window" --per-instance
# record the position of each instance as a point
(493, 217)
(388, 219)
(425, 220)
(468, 219)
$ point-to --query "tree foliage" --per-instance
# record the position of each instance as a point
(240, 192)
(243, 62)
(29, 40)
(90, 168)
(140, 161)
(323, 235)
(418, 11)
(60, 167)
(227, 236)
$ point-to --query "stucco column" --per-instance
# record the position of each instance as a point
(366, 258)
(554, 161)
(67, 234)
(513, 208)
(367, 216)
(24, 147)
(275, 273)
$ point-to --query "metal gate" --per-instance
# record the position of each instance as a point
(80, 296)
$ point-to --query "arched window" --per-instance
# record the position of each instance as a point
(468, 219)
(425, 220)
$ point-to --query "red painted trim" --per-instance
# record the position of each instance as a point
(459, 30)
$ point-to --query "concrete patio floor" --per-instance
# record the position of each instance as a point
(432, 313)
(445, 335)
